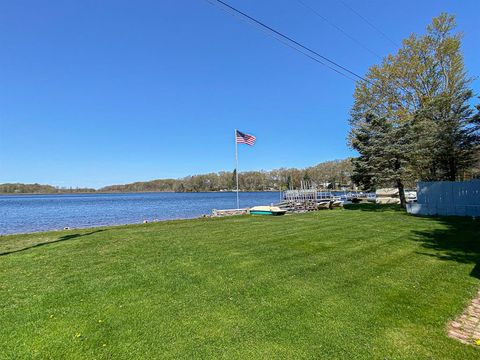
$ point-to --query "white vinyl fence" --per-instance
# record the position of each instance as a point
(460, 198)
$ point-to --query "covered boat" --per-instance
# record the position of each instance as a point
(267, 210)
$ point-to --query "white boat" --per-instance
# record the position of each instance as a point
(323, 205)
(267, 210)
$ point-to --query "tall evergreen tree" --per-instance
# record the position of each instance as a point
(422, 94)
(384, 159)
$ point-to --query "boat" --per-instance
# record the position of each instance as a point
(336, 203)
(323, 205)
(267, 210)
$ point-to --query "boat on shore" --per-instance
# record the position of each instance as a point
(267, 210)
(323, 205)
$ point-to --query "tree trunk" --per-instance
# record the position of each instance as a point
(452, 169)
(401, 193)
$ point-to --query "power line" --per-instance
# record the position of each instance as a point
(317, 13)
(291, 42)
(369, 23)
(294, 44)
(284, 41)
(308, 55)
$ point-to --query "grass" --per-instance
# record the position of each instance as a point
(361, 283)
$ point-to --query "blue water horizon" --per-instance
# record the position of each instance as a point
(26, 213)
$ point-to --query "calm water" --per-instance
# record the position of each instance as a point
(28, 213)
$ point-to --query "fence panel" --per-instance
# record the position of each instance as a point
(460, 198)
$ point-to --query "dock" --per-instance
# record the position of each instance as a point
(313, 199)
(304, 200)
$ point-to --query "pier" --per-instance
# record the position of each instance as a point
(313, 199)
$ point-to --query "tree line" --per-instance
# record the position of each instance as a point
(413, 117)
(17, 188)
(329, 175)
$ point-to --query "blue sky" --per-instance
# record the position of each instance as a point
(102, 92)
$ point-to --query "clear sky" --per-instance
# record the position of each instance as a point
(103, 92)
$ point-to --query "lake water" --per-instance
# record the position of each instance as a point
(28, 213)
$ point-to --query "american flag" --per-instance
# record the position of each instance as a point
(243, 138)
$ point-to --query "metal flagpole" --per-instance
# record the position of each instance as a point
(236, 167)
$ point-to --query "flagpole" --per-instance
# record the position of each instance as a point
(236, 167)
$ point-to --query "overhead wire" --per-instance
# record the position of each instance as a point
(369, 23)
(290, 45)
(312, 54)
(338, 28)
(297, 46)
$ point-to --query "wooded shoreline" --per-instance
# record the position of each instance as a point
(136, 192)
(330, 174)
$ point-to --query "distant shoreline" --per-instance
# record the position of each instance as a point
(139, 192)
(30, 213)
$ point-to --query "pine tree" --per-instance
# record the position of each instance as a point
(420, 98)
(384, 159)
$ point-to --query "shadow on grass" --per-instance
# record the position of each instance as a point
(60, 239)
(373, 207)
(459, 241)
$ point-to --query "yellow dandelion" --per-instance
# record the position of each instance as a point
(477, 342)
(77, 335)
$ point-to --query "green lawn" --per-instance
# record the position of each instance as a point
(360, 283)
